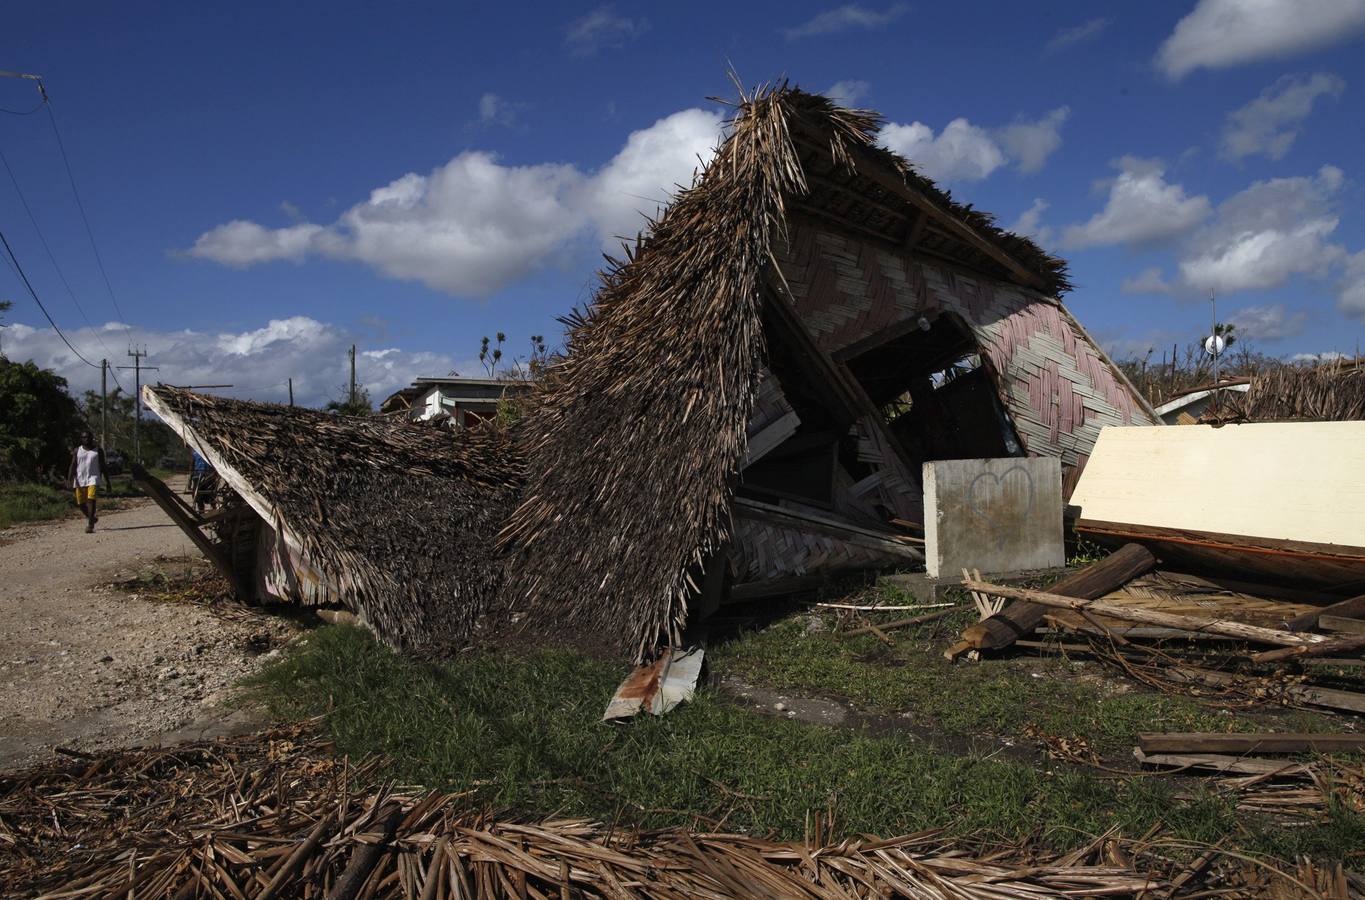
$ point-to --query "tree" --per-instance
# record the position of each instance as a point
(360, 405)
(4, 308)
(39, 422)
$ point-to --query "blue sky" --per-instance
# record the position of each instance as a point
(270, 183)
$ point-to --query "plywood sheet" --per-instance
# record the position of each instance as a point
(1293, 481)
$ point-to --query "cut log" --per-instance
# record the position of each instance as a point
(1346, 609)
(1323, 648)
(1212, 742)
(1150, 616)
(1021, 619)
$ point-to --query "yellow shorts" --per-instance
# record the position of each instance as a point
(84, 494)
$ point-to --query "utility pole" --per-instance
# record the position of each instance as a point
(138, 368)
(291, 391)
(352, 391)
(104, 403)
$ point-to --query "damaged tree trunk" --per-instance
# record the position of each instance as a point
(1021, 618)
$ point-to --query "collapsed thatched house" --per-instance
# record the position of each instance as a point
(750, 397)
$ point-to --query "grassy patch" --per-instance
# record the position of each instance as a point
(30, 502)
(24, 502)
(526, 732)
(1004, 697)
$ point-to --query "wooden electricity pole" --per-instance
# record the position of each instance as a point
(138, 368)
(352, 391)
(104, 403)
(291, 391)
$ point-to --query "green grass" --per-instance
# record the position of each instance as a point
(1060, 697)
(525, 732)
(23, 502)
(31, 502)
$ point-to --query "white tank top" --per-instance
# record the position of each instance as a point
(87, 467)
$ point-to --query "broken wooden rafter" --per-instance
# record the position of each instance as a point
(1094, 581)
(1322, 648)
(191, 524)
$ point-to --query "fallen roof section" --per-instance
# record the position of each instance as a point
(399, 517)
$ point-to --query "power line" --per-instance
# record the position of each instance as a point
(53, 259)
(14, 260)
(47, 102)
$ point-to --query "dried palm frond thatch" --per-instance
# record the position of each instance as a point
(276, 815)
(1334, 392)
(639, 429)
(402, 516)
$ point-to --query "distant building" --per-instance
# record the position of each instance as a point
(1187, 408)
(464, 400)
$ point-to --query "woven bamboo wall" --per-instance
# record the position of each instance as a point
(1057, 385)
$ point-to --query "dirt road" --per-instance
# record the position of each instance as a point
(85, 665)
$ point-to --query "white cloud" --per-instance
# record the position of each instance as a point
(962, 152)
(1267, 323)
(1031, 143)
(1325, 356)
(1142, 208)
(1265, 234)
(1030, 222)
(967, 152)
(1351, 291)
(647, 172)
(496, 110)
(1148, 281)
(1269, 124)
(1069, 37)
(1222, 33)
(241, 243)
(474, 225)
(257, 362)
(845, 18)
(600, 29)
(848, 92)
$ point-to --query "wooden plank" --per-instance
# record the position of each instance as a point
(1341, 624)
(1020, 619)
(1324, 648)
(769, 438)
(1354, 608)
(1234, 765)
(1298, 485)
(1213, 742)
(1149, 616)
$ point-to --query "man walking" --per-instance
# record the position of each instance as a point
(87, 465)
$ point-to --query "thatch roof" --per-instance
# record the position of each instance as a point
(632, 440)
(401, 515)
(639, 430)
(1334, 392)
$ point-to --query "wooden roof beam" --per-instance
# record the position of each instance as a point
(896, 184)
